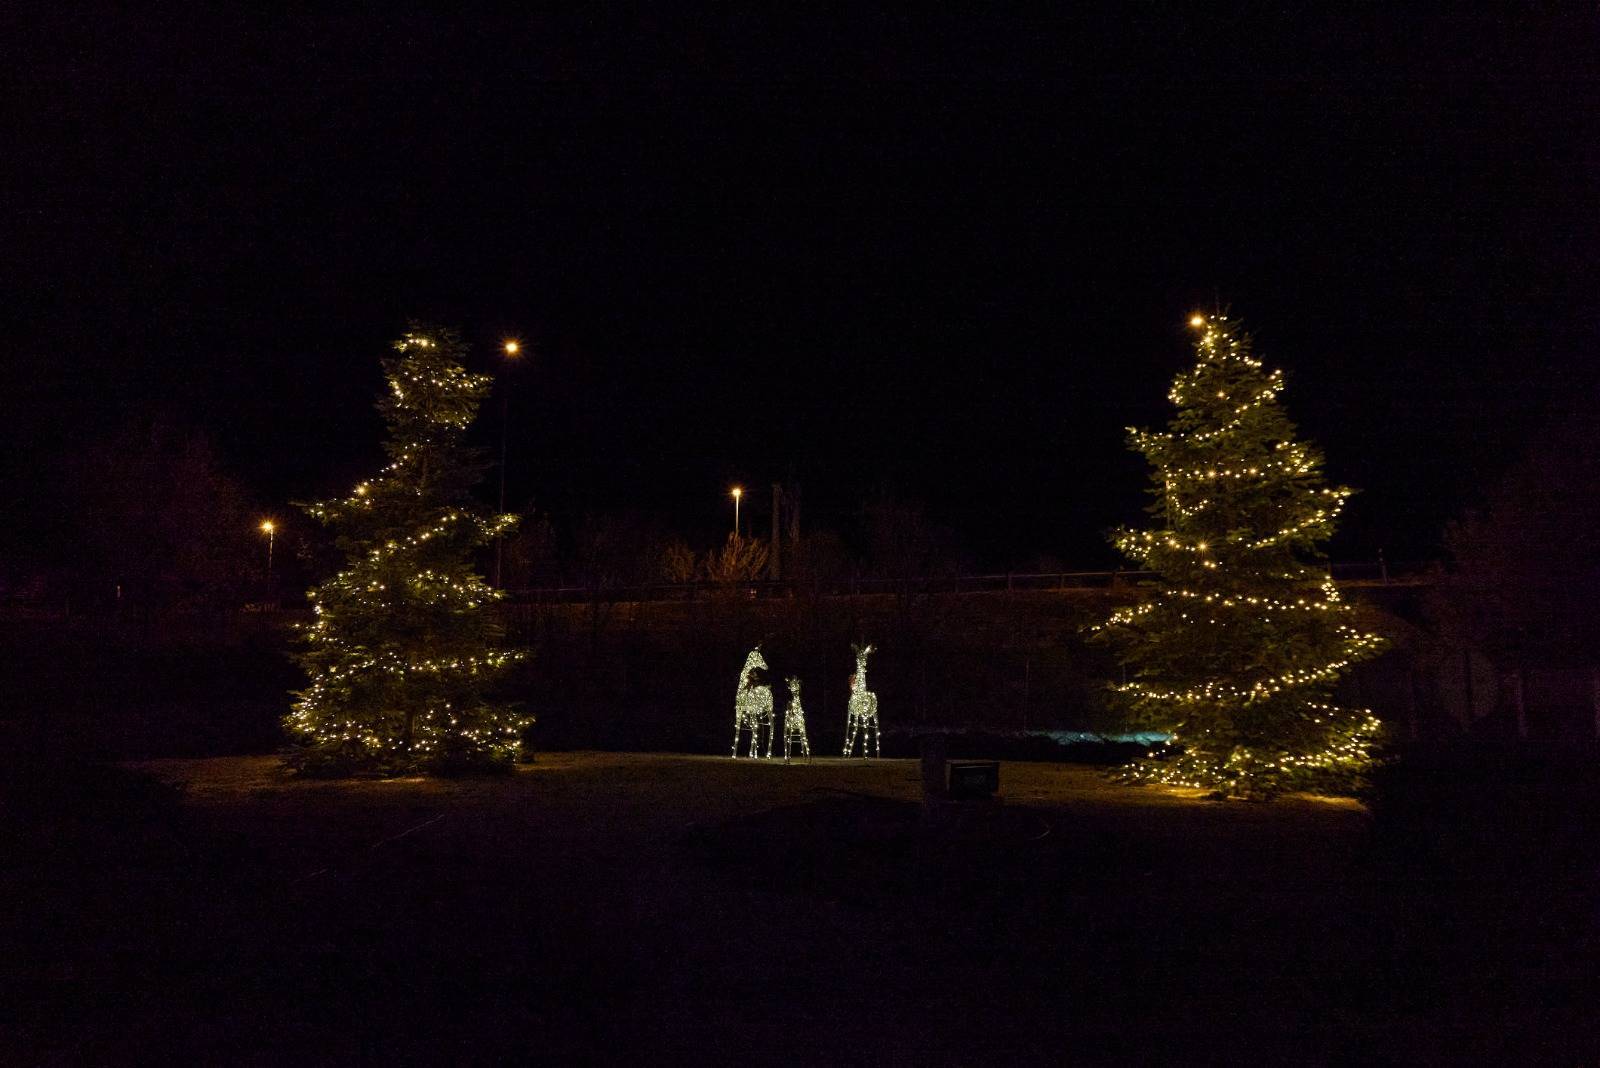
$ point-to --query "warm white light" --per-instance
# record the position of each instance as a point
(794, 722)
(752, 706)
(406, 572)
(737, 493)
(267, 527)
(513, 347)
(1211, 466)
(863, 709)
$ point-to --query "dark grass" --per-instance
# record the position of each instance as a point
(112, 691)
(669, 909)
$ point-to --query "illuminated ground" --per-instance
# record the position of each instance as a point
(677, 908)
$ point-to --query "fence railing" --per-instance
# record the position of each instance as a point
(1345, 574)
(1357, 574)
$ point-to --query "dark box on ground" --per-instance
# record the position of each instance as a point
(974, 778)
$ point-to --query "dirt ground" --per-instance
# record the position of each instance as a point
(598, 907)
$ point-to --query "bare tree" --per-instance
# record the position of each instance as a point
(530, 554)
(676, 562)
(906, 548)
(1526, 573)
(158, 523)
(739, 560)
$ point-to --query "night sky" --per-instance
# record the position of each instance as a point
(946, 259)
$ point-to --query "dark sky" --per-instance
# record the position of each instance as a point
(952, 259)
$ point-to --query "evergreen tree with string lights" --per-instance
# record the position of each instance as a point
(1237, 646)
(405, 649)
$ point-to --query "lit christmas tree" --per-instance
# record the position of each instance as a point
(1238, 646)
(404, 648)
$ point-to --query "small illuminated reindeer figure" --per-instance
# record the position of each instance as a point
(863, 708)
(752, 705)
(794, 722)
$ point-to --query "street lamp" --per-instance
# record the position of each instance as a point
(737, 493)
(269, 529)
(512, 348)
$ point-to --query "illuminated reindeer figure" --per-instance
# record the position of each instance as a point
(752, 704)
(863, 708)
(794, 721)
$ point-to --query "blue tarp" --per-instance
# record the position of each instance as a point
(1077, 737)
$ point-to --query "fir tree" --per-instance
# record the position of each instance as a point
(404, 649)
(1237, 646)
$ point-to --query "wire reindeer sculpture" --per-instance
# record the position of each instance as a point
(863, 718)
(752, 704)
(794, 722)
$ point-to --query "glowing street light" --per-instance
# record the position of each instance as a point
(269, 529)
(1197, 319)
(512, 348)
(737, 493)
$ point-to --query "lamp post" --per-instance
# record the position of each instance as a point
(270, 530)
(737, 493)
(512, 349)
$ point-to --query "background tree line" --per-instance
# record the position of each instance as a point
(145, 518)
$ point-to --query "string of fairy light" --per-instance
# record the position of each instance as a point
(1351, 751)
(752, 705)
(1266, 687)
(1330, 602)
(1225, 393)
(360, 688)
(429, 731)
(449, 377)
(395, 665)
(753, 711)
(794, 722)
(863, 709)
(1140, 544)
